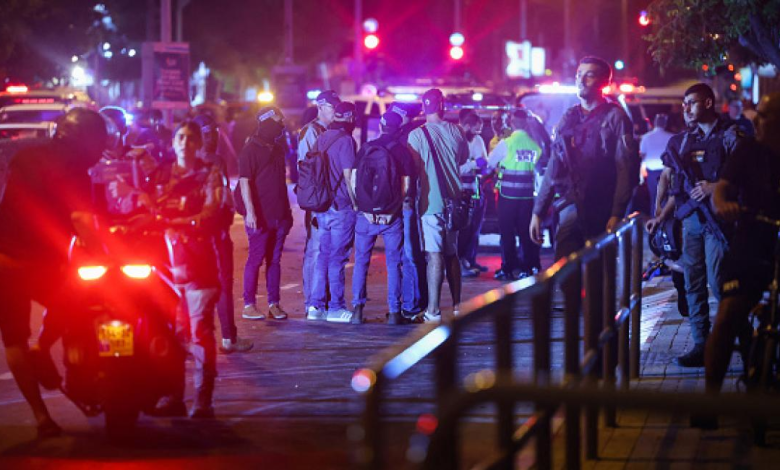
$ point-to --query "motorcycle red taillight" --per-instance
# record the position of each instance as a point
(137, 271)
(92, 273)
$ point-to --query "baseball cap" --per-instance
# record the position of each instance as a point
(345, 110)
(328, 97)
(433, 101)
(391, 120)
(268, 112)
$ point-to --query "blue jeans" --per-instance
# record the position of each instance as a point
(195, 327)
(265, 244)
(415, 282)
(223, 245)
(365, 238)
(702, 257)
(336, 233)
(311, 252)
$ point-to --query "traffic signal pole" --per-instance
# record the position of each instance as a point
(358, 47)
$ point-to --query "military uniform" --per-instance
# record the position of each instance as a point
(594, 166)
(694, 154)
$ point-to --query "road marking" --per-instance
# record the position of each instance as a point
(289, 286)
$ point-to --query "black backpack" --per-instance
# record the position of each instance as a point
(314, 191)
(379, 181)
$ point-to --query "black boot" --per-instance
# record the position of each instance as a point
(395, 318)
(357, 315)
(693, 358)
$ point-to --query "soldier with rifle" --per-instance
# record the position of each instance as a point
(594, 165)
(696, 157)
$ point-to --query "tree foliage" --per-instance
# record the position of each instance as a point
(690, 33)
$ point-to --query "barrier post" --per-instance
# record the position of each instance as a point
(571, 286)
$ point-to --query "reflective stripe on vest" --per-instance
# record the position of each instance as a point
(516, 172)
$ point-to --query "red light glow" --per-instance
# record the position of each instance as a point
(644, 20)
(17, 89)
(626, 88)
(371, 41)
(456, 52)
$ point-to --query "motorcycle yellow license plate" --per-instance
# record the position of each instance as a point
(115, 339)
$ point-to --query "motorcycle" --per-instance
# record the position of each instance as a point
(121, 353)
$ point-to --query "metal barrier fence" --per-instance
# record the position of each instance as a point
(611, 338)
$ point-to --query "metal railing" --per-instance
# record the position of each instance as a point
(611, 340)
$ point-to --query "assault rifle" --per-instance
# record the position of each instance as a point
(691, 205)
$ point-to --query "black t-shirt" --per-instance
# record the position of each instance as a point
(45, 186)
(755, 171)
(263, 165)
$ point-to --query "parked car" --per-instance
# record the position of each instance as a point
(33, 113)
(15, 131)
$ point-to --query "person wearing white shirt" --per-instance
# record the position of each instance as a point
(651, 147)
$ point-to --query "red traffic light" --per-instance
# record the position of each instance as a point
(644, 19)
(456, 52)
(371, 41)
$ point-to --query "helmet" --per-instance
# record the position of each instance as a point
(117, 128)
(85, 130)
(666, 241)
(206, 122)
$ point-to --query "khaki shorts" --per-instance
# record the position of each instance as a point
(436, 239)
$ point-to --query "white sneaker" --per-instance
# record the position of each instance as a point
(239, 345)
(431, 317)
(252, 313)
(341, 315)
(315, 314)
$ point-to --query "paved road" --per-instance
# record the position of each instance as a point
(285, 404)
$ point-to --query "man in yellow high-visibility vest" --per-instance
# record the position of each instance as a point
(516, 159)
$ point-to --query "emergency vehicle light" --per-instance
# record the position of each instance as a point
(557, 88)
(17, 89)
(406, 97)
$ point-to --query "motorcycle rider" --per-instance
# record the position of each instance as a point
(48, 190)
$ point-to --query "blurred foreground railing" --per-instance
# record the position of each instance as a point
(589, 280)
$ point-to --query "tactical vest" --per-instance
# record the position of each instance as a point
(704, 159)
(516, 170)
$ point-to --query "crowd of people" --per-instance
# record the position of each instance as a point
(420, 187)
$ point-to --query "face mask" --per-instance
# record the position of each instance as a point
(271, 130)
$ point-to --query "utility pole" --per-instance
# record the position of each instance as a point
(624, 36)
(165, 21)
(165, 38)
(523, 20)
(288, 32)
(358, 49)
(568, 52)
(180, 5)
(458, 17)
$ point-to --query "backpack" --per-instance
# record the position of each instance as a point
(314, 191)
(378, 181)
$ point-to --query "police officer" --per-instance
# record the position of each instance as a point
(696, 157)
(516, 159)
(594, 165)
